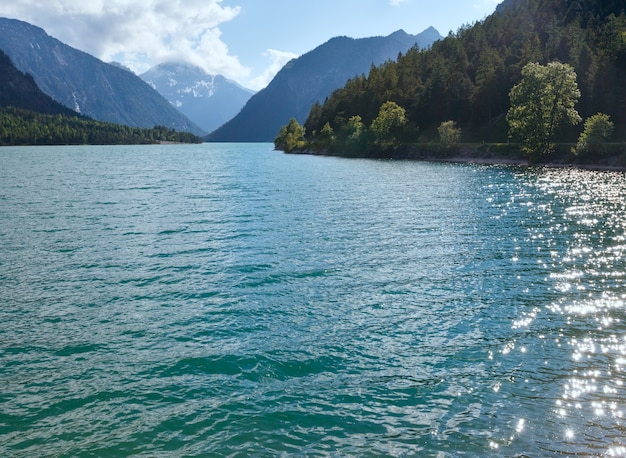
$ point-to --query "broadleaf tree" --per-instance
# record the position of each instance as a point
(389, 123)
(543, 101)
(290, 137)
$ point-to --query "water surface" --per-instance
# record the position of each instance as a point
(229, 300)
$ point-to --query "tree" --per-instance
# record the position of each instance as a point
(290, 136)
(540, 103)
(449, 133)
(489, 80)
(20, 126)
(355, 128)
(353, 138)
(388, 124)
(598, 129)
(327, 135)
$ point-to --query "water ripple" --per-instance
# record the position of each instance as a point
(226, 300)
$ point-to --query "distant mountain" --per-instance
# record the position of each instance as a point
(120, 65)
(20, 90)
(208, 100)
(311, 78)
(85, 84)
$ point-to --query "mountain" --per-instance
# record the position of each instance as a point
(20, 90)
(504, 5)
(208, 100)
(85, 84)
(28, 116)
(311, 78)
(468, 76)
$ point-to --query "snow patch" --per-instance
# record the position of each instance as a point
(76, 104)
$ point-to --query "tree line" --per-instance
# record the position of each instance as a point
(466, 80)
(25, 127)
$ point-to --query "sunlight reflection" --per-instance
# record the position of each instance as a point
(586, 210)
(616, 451)
(526, 319)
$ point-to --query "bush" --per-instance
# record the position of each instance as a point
(598, 129)
(449, 133)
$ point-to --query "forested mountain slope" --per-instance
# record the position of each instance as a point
(30, 117)
(85, 84)
(467, 76)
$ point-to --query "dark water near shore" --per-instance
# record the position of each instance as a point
(228, 300)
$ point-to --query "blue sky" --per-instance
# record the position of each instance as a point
(245, 40)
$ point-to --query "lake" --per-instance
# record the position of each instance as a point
(230, 300)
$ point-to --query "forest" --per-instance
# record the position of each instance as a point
(25, 127)
(30, 117)
(466, 79)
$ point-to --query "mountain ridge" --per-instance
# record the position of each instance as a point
(208, 100)
(311, 78)
(19, 90)
(84, 83)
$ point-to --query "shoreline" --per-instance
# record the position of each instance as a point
(472, 155)
(524, 163)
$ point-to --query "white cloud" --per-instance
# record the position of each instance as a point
(138, 33)
(397, 2)
(278, 59)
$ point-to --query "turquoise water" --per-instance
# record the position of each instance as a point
(229, 300)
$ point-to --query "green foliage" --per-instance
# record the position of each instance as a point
(468, 76)
(327, 132)
(355, 129)
(326, 136)
(449, 133)
(540, 103)
(598, 130)
(24, 127)
(290, 137)
(352, 138)
(389, 123)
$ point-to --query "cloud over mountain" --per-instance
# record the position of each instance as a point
(136, 31)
